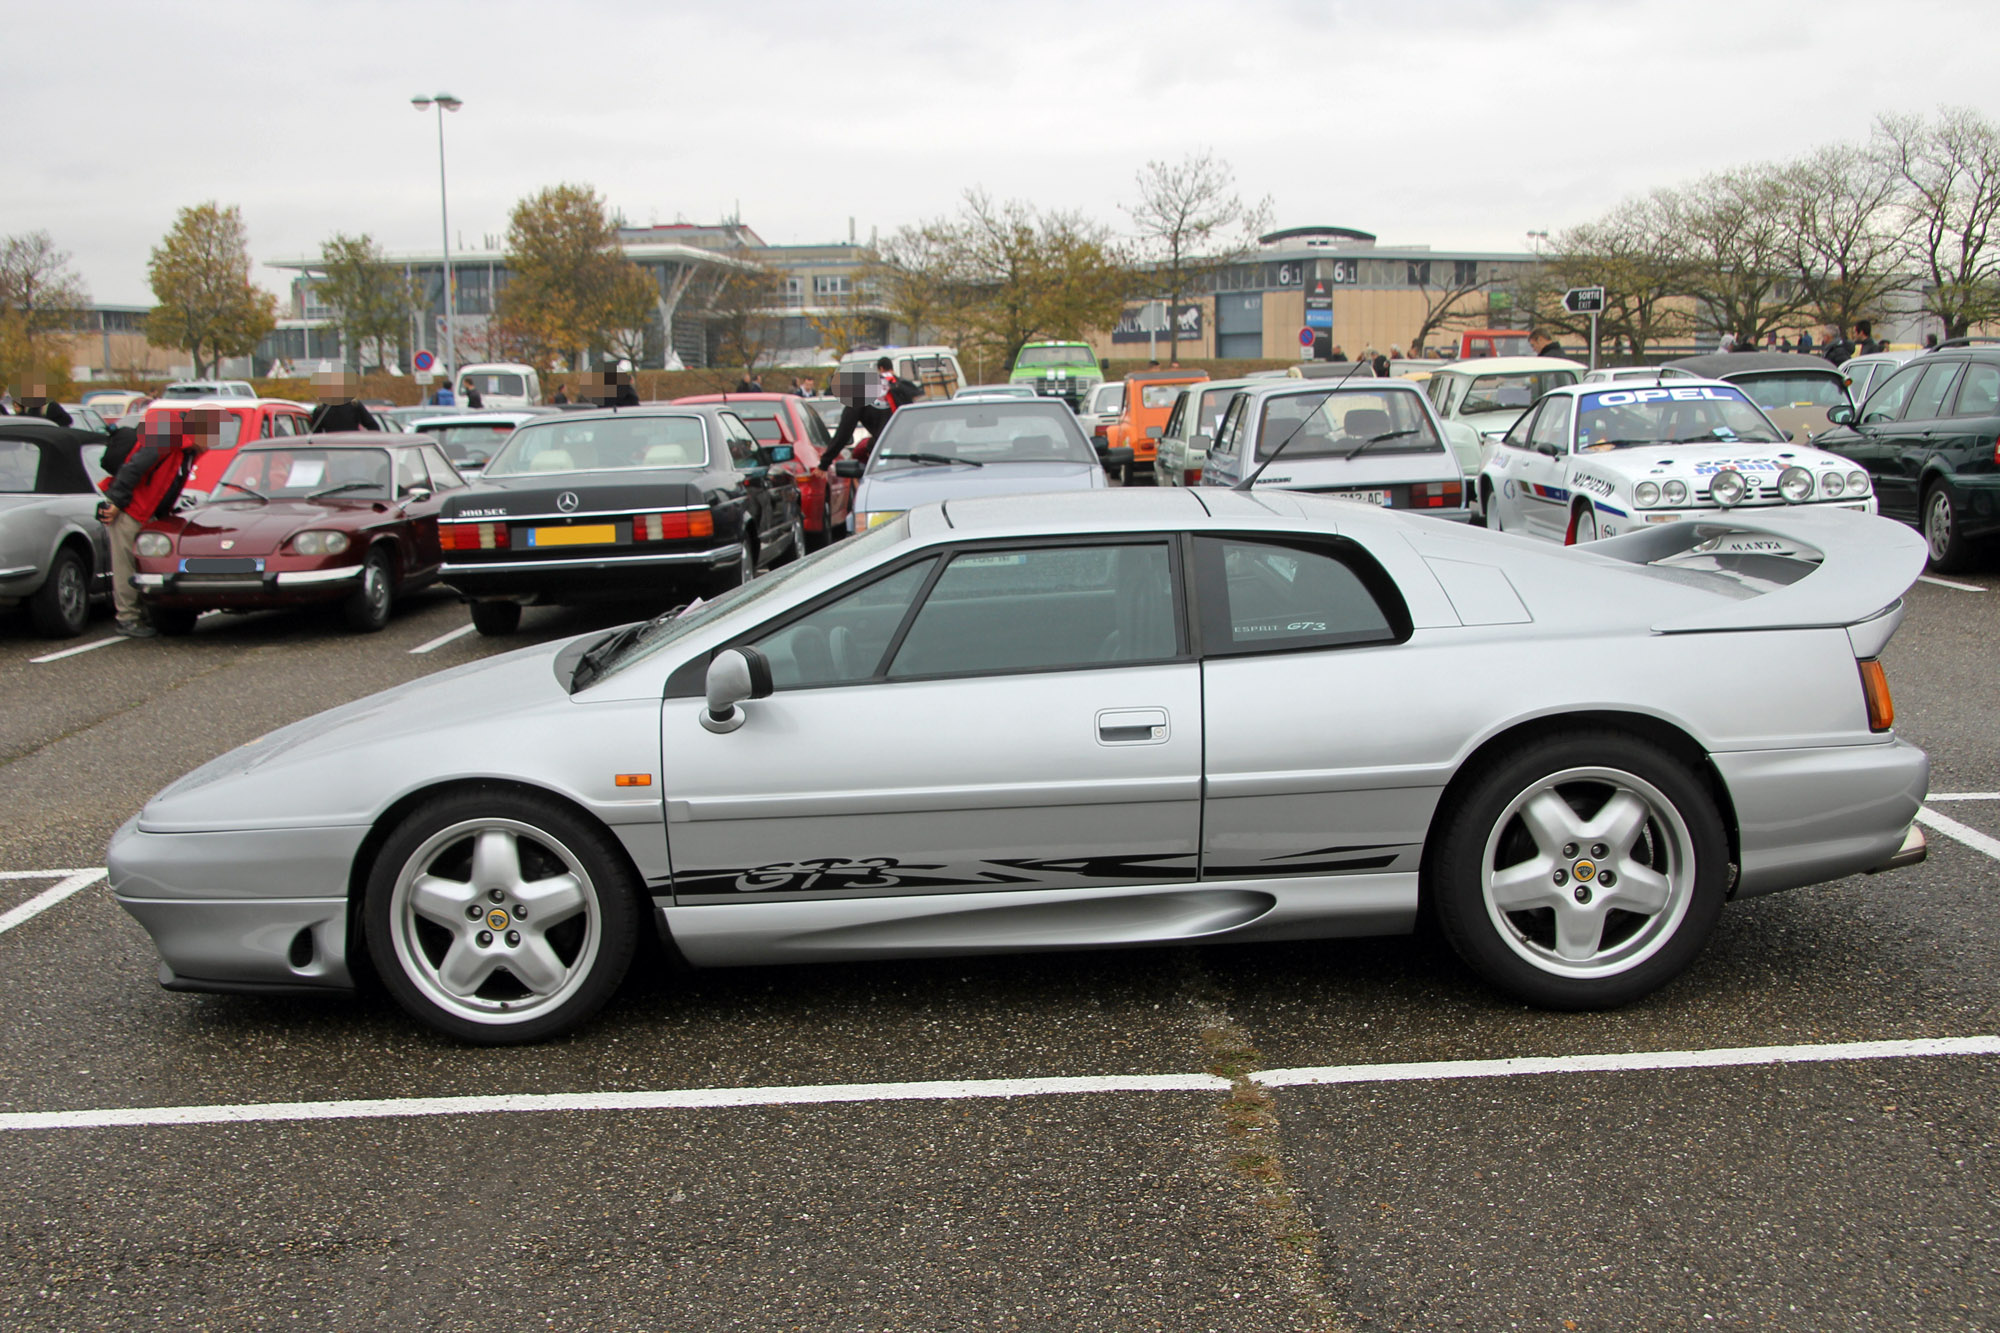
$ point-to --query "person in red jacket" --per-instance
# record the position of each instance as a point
(148, 484)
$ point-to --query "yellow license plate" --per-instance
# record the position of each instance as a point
(584, 534)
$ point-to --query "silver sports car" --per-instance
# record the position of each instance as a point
(1078, 721)
(54, 554)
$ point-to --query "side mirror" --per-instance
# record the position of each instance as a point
(734, 675)
(1118, 457)
(773, 454)
(418, 494)
(1841, 415)
(1199, 442)
(847, 467)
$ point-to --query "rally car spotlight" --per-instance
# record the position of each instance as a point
(1676, 492)
(1795, 484)
(1726, 487)
(1857, 483)
(155, 544)
(1646, 494)
(1831, 486)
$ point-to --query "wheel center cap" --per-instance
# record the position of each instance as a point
(497, 919)
(1585, 871)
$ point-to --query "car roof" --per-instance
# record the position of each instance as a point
(1182, 376)
(1720, 365)
(1272, 388)
(485, 417)
(700, 399)
(995, 400)
(1613, 386)
(339, 439)
(1505, 365)
(222, 400)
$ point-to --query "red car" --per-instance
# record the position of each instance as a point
(243, 421)
(349, 518)
(784, 418)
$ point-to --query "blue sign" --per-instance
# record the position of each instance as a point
(1319, 319)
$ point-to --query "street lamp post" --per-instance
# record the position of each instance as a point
(445, 102)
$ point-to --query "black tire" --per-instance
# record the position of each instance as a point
(367, 608)
(496, 617)
(719, 581)
(172, 620)
(60, 608)
(1484, 508)
(526, 981)
(1500, 843)
(1950, 552)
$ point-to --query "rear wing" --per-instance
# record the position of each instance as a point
(1864, 566)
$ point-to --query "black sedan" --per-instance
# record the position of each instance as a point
(645, 503)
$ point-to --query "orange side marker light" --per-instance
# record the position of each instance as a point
(634, 779)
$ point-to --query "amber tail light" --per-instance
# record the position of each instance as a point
(473, 536)
(1436, 495)
(1875, 688)
(673, 527)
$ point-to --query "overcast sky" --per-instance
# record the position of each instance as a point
(1457, 123)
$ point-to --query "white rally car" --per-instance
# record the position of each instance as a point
(1594, 460)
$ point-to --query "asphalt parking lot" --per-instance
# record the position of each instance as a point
(697, 1157)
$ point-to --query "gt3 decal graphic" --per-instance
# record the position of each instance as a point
(1299, 863)
(861, 874)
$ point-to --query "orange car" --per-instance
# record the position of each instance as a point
(1149, 398)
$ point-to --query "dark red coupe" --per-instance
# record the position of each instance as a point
(348, 518)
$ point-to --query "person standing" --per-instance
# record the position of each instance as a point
(561, 395)
(1805, 342)
(473, 399)
(444, 397)
(875, 403)
(148, 484)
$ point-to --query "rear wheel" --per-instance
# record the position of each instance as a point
(496, 617)
(61, 608)
(796, 539)
(367, 607)
(1949, 550)
(735, 576)
(499, 917)
(1581, 871)
(172, 620)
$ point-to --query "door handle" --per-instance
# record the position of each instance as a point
(1132, 726)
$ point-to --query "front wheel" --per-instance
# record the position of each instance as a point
(500, 917)
(1583, 527)
(1942, 533)
(1581, 871)
(367, 607)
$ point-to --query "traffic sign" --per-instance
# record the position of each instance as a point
(1306, 337)
(424, 362)
(1584, 300)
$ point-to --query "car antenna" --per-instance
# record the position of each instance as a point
(1251, 480)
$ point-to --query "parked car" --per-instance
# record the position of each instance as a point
(1065, 370)
(1627, 374)
(635, 503)
(469, 439)
(54, 554)
(501, 384)
(934, 450)
(86, 418)
(209, 389)
(350, 519)
(1080, 721)
(1182, 451)
(1013, 392)
(1863, 373)
(781, 418)
(1495, 343)
(936, 368)
(1149, 398)
(1929, 437)
(1796, 391)
(243, 421)
(1376, 442)
(1101, 409)
(1595, 460)
(112, 404)
(1489, 395)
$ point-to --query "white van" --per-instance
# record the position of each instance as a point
(501, 384)
(934, 367)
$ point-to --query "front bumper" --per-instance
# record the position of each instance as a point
(1810, 815)
(251, 589)
(585, 578)
(246, 910)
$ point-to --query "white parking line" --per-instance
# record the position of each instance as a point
(124, 1117)
(46, 874)
(92, 646)
(76, 881)
(443, 639)
(1963, 796)
(1951, 828)
(1947, 583)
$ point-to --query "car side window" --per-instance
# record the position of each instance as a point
(1979, 393)
(1257, 596)
(1886, 403)
(1230, 431)
(1933, 392)
(1175, 417)
(1044, 608)
(742, 444)
(1550, 433)
(410, 472)
(444, 477)
(1517, 436)
(844, 642)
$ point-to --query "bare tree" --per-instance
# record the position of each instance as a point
(1730, 229)
(1951, 170)
(1632, 253)
(1445, 286)
(1841, 237)
(1190, 222)
(41, 304)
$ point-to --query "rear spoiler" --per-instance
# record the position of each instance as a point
(1867, 564)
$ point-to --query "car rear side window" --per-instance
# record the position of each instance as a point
(1045, 608)
(844, 642)
(1933, 392)
(1257, 596)
(1886, 403)
(1979, 393)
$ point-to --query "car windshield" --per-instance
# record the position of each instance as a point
(229, 427)
(1620, 418)
(1159, 395)
(1055, 356)
(1110, 398)
(602, 444)
(504, 383)
(469, 444)
(1346, 421)
(1793, 390)
(828, 559)
(1512, 393)
(996, 432)
(358, 474)
(762, 419)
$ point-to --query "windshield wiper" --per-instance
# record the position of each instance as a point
(1376, 439)
(344, 486)
(592, 664)
(935, 458)
(239, 486)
